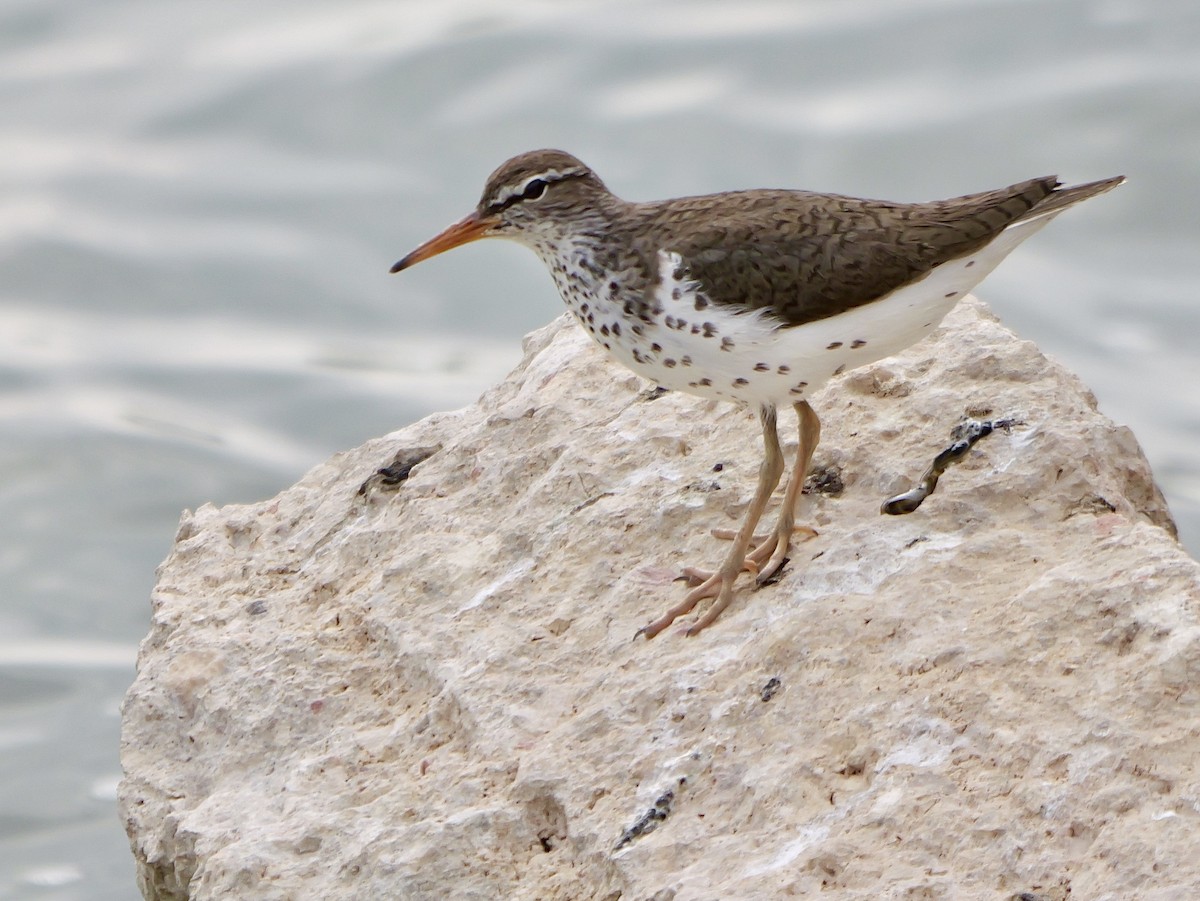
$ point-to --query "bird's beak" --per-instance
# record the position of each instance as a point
(470, 228)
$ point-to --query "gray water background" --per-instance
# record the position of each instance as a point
(199, 202)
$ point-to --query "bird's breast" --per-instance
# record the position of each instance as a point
(667, 330)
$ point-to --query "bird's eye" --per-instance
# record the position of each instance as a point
(535, 189)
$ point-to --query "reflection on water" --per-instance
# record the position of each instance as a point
(199, 203)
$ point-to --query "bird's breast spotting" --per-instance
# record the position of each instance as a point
(672, 334)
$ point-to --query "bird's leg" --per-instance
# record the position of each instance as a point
(720, 584)
(771, 554)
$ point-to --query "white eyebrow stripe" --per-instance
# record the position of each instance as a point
(549, 175)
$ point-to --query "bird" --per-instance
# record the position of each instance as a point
(755, 297)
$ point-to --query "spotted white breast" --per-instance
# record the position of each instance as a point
(747, 357)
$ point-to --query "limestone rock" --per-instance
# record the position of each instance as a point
(431, 688)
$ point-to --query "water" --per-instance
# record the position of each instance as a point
(199, 202)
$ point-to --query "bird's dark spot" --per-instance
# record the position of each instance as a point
(637, 330)
(604, 330)
(970, 263)
(701, 303)
(583, 308)
(727, 344)
(627, 309)
(710, 330)
(685, 361)
(796, 391)
(952, 294)
(613, 288)
(784, 369)
(591, 317)
(669, 363)
(656, 347)
(678, 273)
(801, 385)
(840, 369)
(858, 342)
(761, 367)
(680, 324)
(676, 294)
(669, 322)
(707, 383)
(740, 383)
(693, 384)
(616, 329)
(927, 325)
(834, 345)
(637, 356)
(607, 346)
(695, 329)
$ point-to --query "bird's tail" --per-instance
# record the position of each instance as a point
(1061, 198)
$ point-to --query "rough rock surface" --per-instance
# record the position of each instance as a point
(432, 689)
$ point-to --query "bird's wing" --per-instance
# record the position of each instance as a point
(806, 256)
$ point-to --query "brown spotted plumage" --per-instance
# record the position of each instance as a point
(755, 297)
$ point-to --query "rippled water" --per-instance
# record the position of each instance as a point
(199, 202)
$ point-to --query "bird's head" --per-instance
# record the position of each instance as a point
(533, 198)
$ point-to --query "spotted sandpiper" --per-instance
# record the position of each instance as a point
(754, 297)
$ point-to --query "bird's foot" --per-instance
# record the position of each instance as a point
(719, 585)
(769, 556)
(765, 561)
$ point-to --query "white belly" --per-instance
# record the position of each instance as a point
(742, 357)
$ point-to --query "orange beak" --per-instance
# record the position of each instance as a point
(470, 228)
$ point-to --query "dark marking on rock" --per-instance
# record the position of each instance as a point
(649, 821)
(768, 691)
(827, 481)
(397, 472)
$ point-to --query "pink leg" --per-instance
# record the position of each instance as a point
(771, 554)
(720, 584)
